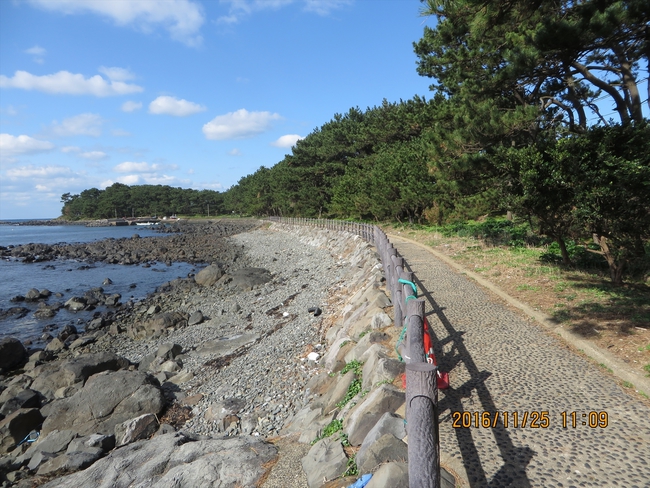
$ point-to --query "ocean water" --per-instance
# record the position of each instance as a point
(72, 278)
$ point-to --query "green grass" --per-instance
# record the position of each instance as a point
(355, 387)
(526, 287)
(627, 384)
(352, 469)
(604, 366)
(332, 428)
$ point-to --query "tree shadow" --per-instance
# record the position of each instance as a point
(516, 459)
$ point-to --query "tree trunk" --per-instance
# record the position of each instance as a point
(565, 254)
(615, 266)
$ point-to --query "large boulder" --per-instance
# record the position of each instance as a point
(364, 416)
(209, 276)
(326, 460)
(52, 376)
(176, 460)
(157, 325)
(387, 448)
(246, 279)
(16, 426)
(107, 399)
(391, 475)
(24, 399)
(12, 353)
(141, 427)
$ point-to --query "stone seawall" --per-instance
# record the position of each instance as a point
(293, 341)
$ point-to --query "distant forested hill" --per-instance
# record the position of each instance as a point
(120, 200)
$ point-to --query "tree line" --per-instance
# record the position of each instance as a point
(119, 200)
(536, 109)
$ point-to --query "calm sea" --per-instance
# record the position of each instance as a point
(70, 277)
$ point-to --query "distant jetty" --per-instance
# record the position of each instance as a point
(123, 222)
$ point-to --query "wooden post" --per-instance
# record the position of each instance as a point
(422, 425)
(415, 332)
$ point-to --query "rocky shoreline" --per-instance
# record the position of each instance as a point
(214, 367)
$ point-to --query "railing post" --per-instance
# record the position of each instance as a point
(415, 332)
(422, 425)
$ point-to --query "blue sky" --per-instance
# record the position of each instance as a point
(183, 93)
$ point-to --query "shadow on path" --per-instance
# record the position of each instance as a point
(513, 471)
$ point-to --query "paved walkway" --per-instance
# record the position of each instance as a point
(502, 363)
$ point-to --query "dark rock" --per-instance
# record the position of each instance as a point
(12, 353)
(246, 279)
(16, 426)
(15, 312)
(113, 300)
(76, 303)
(32, 295)
(25, 399)
(66, 332)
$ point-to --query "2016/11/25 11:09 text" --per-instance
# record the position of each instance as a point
(528, 419)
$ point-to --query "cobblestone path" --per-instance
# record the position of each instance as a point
(502, 363)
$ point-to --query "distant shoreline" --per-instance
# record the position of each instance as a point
(55, 221)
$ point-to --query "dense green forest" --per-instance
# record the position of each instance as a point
(120, 200)
(536, 109)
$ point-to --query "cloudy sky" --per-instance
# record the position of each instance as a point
(184, 93)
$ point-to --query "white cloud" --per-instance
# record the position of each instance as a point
(93, 155)
(325, 7)
(36, 51)
(120, 133)
(288, 140)
(174, 106)
(116, 74)
(14, 145)
(241, 8)
(70, 149)
(38, 172)
(66, 83)
(10, 110)
(143, 167)
(131, 167)
(239, 125)
(131, 106)
(79, 125)
(182, 18)
(146, 179)
(234, 152)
